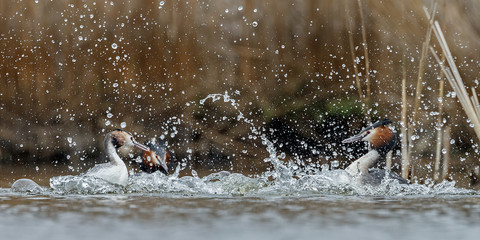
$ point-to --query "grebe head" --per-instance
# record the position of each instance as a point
(119, 138)
(378, 135)
(156, 158)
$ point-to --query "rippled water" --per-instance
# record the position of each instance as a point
(326, 205)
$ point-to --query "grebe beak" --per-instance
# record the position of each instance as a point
(163, 164)
(353, 139)
(140, 146)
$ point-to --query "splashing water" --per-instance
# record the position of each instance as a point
(225, 183)
(285, 178)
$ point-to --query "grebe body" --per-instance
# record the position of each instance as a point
(115, 171)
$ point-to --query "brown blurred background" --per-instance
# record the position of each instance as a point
(70, 71)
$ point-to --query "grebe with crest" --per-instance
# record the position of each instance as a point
(382, 140)
(115, 171)
(157, 158)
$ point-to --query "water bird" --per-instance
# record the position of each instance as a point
(157, 158)
(115, 171)
(382, 140)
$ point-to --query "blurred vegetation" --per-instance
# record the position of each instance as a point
(72, 70)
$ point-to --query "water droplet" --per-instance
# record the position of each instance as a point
(109, 115)
(114, 46)
(240, 8)
(69, 139)
(254, 24)
(335, 164)
(194, 174)
(123, 125)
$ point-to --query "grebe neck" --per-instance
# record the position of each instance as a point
(112, 152)
(362, 164)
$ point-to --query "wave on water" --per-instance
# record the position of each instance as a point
(329, 182)
(82, 185)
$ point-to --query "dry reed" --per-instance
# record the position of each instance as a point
(439, 124)
(469, 104)
(360, 93)
(404, 121)
(367, 63)
(405, 163)
(453, 76)
(446, 155)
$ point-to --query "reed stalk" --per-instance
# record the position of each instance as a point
(354, 57)
(439, 125)
(438, 150)
(446, 155)
(474, 99)
(404, 123)
(364, 97)
(421, 66)
(405, 155)
(367, 62)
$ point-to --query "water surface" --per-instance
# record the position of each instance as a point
(233, 206)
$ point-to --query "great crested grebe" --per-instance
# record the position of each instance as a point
(382, 140)
(115, 171)
(157, 158)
